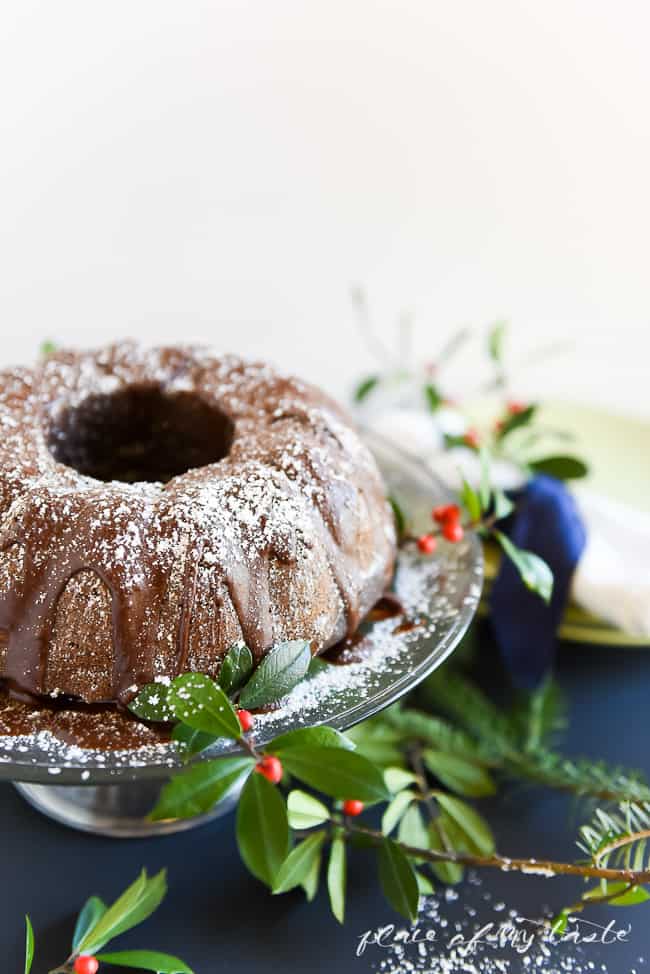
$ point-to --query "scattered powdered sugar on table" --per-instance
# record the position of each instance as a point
(467, 931)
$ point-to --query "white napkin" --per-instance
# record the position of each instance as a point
(612, 579)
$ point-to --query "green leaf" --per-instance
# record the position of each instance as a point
(395, 810)
(396, 779)
(447, 872)
(305, 811)
(400, 519)
(453, 440)
(336, 878)
(628, 897)
(534, 572)
(190, 740)
(236, 668)
(48, 347)
(469, 821)
(503, 506)
(470, 501)
(398, 880)
(337, 773)
(262, 828)
(311, 880)
(147, 960)
(377, 742)
(425, 886)
(92, 911)
(516, 421)
(365, 387)
(485, 488)
(151, 703)
(29, 945)
(496, 336)
(135, 905)
(559, 923)
(298, 864)
(441, 735)
(278, 673)
(196, 700)
(412, 830)
(460, 776)
(199, 788)
(433, 397)
(561, 467)
(310, 737)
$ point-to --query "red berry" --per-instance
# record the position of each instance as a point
(427, 544)
(471, 438)
(453, 531)
(352, 806)
(271, 768)
(446, 512)
(246, 719)
(515, 407)
(85, 964)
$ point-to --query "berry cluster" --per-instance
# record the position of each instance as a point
(447, 517)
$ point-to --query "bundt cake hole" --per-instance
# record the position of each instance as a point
(140, 434)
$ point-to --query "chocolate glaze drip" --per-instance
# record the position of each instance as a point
(287, 535)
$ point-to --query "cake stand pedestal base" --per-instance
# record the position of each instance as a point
(118, 811)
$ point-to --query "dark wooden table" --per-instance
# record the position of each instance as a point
(218, 918)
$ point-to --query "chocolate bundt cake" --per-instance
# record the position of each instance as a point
(158, 505)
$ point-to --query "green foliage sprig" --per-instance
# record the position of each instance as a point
(98, 925)
(425, 772)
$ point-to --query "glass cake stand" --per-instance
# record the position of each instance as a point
(111, 792)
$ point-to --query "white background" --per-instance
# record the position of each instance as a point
(225, 170)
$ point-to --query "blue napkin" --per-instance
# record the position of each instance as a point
(545, 521)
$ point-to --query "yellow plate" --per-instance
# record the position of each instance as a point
(617, 450)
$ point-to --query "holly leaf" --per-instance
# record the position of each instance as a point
(151, 703)
(516, 420)
(262, 828)
(312, 879)
(305, 811)
(400, 518)
(281, 669)
(628, 897)
(471, 501)
(190, 740)
(309, 737)
(365, 387)
(412, 830)
(336, 878)
(337, 773)
(298, 864)
(535, 573)
(503, 506)
(395, 810)
(495, 339)
(29, 945)
(561, 467)
(470, 823)
(196, 700)
(463, 777)
(447, 872)
(236, 668)
(485, 489)
(199, 788)
(398, 880)
(433, 397)
(396, 779)
(48, 347)
(135, 905)
(146, 960)
(91, 913)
